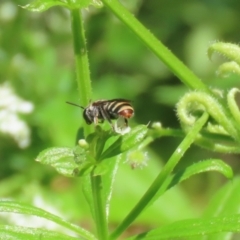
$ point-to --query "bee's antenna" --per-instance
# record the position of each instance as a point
(74, 104)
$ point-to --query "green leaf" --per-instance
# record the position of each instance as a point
(200, 167)
(43, 5)
(52, 155)
(107, 170)
(193, 227)
(107, 181)
(96, 3)
(225, 202)
(16, 207)
(97, 141)
(126, 142)
(67, 161)
(87, 191)
(23, 233)
(204, 166)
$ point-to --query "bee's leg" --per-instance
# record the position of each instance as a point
(126, 121)
(95, 120)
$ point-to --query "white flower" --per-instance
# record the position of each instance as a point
(10, 123)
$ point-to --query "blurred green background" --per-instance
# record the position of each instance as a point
(36, 60)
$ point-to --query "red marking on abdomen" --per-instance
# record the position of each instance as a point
(126, 113)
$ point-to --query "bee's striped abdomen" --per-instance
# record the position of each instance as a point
(120, 107)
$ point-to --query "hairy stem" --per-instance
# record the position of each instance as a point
(99, 209)
(177, 67)
(81, 59)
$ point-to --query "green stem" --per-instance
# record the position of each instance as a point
(177, 67)
(81, 58)
(99, 208)
(167, 132)
(159, 181)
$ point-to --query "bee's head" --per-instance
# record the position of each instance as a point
(86, 113)
(88, 116)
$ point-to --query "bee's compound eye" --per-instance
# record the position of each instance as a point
(126, 113)
(87, 116)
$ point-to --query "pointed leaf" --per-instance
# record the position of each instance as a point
(23, 233)
(225, 202)
(16, 207)
(97, 3)
(107, 181)
(126, 142)
(69, 162)
(87, 191)
(190, 228)
(107, 170)
(43, 5)
(52, 155)
(97, 141)
(200, 167)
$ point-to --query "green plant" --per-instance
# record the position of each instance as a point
(207, 120)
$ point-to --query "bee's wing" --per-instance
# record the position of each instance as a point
(119, 100)
(104, 102)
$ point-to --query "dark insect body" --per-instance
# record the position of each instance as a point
(101, 110)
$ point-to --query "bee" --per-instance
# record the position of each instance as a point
(108, 110)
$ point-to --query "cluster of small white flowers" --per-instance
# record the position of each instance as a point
(10, 123)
